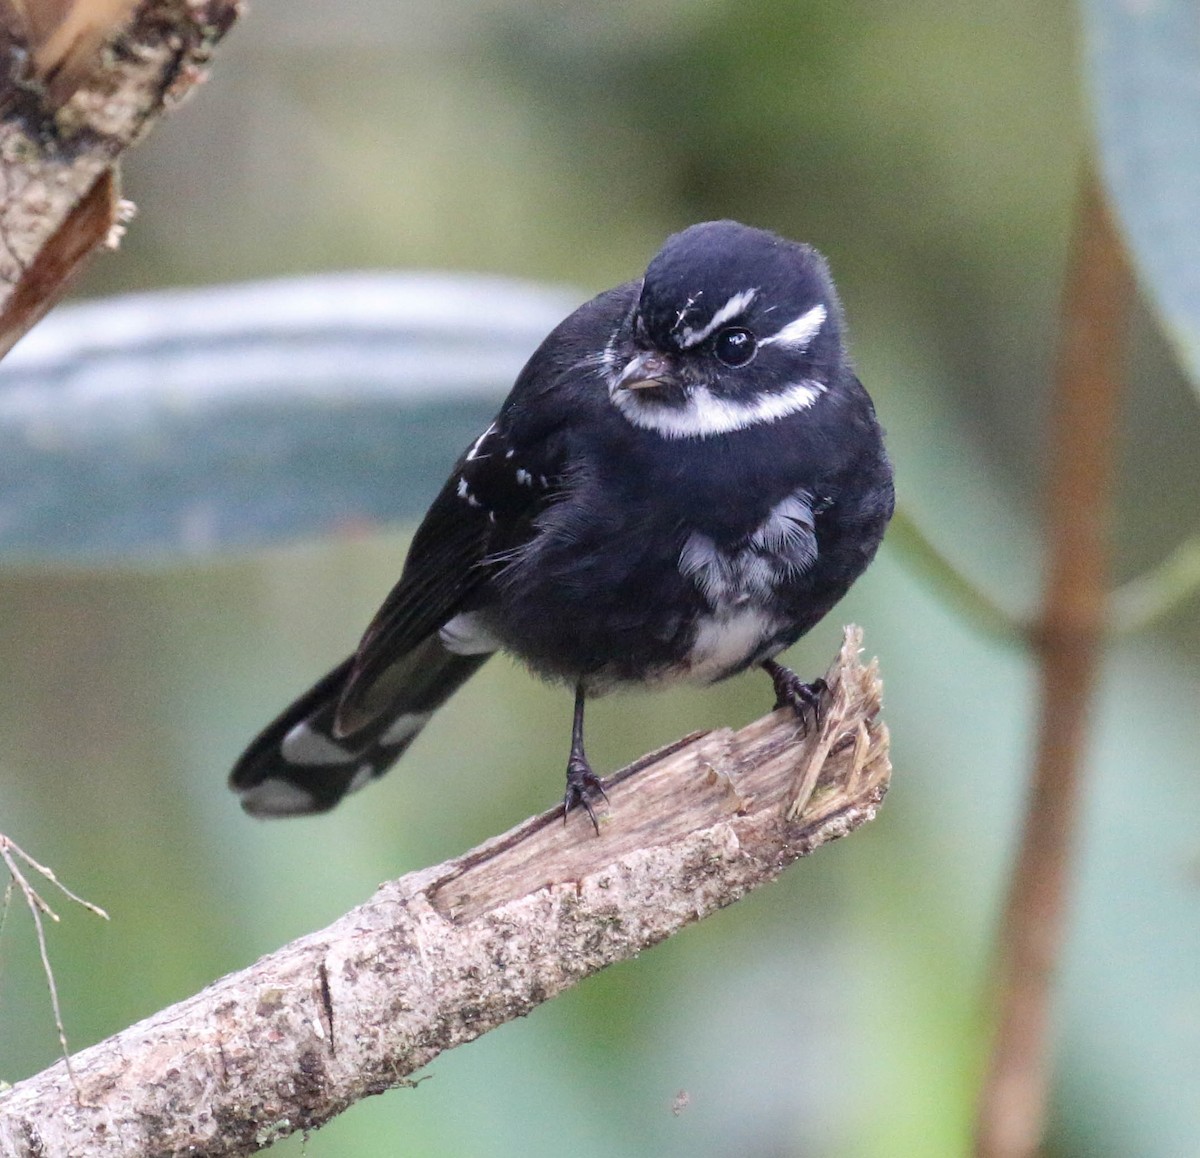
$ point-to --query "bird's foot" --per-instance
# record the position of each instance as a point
(792, 692)
(583, 786)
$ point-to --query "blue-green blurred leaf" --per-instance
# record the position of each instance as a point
(1144, 68)
(185, 422)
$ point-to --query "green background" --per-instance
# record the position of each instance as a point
(934, 157)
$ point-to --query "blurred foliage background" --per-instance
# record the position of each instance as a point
(934, 157)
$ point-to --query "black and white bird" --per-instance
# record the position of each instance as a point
(686, 477)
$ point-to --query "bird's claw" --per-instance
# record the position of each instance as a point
(582, 786)
(805, 699)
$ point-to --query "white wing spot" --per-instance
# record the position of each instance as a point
(464, 492)
(473, 453)
(524, 478)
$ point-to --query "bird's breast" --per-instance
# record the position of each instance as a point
(728, 640)
(738, 583)
(750, 567)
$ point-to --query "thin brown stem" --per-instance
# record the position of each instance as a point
(1069, 642)
(13, 856)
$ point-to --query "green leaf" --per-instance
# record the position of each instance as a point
(1143, 65)
(182, 423)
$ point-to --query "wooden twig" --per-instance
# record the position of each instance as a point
(13, 856)
(1082, 454)
(80, 81)
(439, 957)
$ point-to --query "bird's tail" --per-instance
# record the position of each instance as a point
(299, 764)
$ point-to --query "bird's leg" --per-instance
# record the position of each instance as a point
(792, 692)
(582, 782)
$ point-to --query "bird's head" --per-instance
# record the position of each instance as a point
(733, 327)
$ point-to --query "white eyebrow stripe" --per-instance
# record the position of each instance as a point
(799, 331)
(736, 305)
(706, 415)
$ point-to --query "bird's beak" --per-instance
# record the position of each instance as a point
(647, 371)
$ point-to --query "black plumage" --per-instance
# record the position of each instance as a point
(686, 477)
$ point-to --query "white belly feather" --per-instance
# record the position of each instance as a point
(725, 640)
(738, 586)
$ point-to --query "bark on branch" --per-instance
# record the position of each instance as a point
(80, 81)
(441, 956)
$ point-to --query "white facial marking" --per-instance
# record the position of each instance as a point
(609, 358)
(465, 634)
(304, 746)
(273, 797)
(704, 415)
(799, 332)
(363, 776)
(731, 309)
(682, 314)
(404, 728)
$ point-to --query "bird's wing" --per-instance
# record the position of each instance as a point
(489, 507)
(486, 510)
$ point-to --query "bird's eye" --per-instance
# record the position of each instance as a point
(735, 346)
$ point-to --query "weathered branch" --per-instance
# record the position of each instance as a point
(441, 956)
(80, 81)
